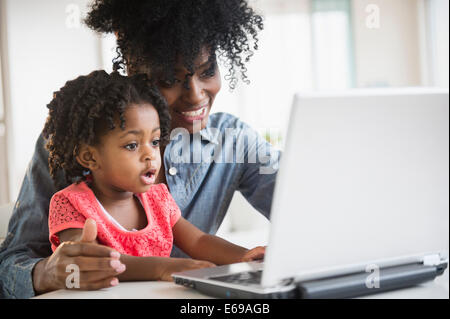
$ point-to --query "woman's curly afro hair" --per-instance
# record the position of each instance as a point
(86, 108)
(159, 33)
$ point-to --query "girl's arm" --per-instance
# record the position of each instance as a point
(200, 245)
(144, 268)
(157, 268)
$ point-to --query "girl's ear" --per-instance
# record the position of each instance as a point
(86, 157)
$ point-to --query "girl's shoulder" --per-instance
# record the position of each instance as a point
(73, 190)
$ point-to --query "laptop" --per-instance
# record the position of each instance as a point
(361, 201)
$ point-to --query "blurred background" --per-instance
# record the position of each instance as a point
(306, 45)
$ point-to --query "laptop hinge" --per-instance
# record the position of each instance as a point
(432, 260)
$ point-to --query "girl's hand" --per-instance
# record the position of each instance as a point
(256, 253)
(172, 265)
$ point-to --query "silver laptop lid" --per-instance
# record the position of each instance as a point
(364, 178)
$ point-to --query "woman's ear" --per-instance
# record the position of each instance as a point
(87, 158)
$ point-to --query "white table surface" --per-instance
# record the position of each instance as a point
(437, 289)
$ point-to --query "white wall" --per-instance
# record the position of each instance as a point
(387, 55)
(4, 187)
(46, 47)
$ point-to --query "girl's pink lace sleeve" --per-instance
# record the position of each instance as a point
(62, 215)
(170, 205)
(175, 212)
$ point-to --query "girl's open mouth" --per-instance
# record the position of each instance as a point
(149, 177)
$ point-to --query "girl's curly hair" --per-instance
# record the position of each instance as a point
(159, 33)
(84, 108)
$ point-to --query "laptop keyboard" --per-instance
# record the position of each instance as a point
(242, 278)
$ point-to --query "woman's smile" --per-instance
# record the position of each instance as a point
(196, 113)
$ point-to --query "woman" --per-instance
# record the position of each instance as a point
(177, 43)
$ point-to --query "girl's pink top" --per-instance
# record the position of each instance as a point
(70, 207)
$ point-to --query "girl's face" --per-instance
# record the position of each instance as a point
(129, 160)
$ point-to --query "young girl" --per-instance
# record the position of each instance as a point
(104, 132)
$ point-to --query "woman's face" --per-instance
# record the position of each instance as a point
(190, 107)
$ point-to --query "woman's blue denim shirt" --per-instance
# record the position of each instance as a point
(203, 171)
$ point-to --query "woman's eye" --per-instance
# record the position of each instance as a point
(168, 83)
(131, 146)
(210, 72)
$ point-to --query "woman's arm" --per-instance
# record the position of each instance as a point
(257, 182)
(27, 242)
(203, 246)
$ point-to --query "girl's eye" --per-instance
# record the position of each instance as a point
(131, 146)
(156, 143)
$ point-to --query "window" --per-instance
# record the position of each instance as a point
(437, 23)
(332, 44)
